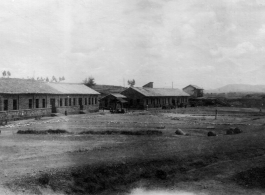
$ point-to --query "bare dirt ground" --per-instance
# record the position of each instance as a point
(225, 164)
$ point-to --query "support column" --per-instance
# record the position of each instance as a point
(18, 107)
(1, 103)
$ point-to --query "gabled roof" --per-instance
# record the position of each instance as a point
(107, 89)
(24, 86)
(72, 88)
(194, 86)
(160, 92)
(117, 95)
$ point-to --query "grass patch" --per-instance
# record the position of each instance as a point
(49, 131)
(252, 178)
(112, 132)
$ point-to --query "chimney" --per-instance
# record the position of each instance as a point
(148, 85)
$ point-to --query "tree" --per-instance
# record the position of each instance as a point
(8, 74)
(47, 79)
(4, 73)
(54, 79)
(89, 81)
(131, 82)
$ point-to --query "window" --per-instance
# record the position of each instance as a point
(66, 102)
(96, 100)
(30, 103)
(61, 102)
(70, 101)
(92, 100)
(14, 104)
(74, 101)
(5, 104)
(43, 103)
(80, 102)
(85, 101)
(89, 101)
(37, 103)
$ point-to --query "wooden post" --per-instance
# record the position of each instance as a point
(216, 112)
(18, 102)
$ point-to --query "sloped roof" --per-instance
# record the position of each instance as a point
(107, 89)
(194, 86)
(160, 92)
(24, 86)
(71, 88)
(117, 95)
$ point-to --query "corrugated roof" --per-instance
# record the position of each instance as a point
(24, 86)
(118, 95)
(160, 92)
(70, 88)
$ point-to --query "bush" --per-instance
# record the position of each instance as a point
(112, 132)
(44, 179)
(50, 131)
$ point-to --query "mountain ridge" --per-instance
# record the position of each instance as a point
(238, 88)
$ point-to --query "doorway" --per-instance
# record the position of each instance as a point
(53, 105)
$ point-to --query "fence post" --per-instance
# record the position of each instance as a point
(216, 112)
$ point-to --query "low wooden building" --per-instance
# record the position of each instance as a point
(148, 97)
(21, 98)
(194, 91)
(114, 101)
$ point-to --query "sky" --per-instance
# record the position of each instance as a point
(210, 43)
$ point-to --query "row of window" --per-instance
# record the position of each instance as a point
(15, 105)
(67, 101)
(164, 100)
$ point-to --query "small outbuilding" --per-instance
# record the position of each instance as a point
(194, 91)
(114, 101)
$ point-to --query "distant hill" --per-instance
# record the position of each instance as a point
(238, 88)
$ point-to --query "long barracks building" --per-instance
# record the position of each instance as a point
(21, 98)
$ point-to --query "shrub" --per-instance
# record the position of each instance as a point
(50, 131)
(44, 179)
(113, 132)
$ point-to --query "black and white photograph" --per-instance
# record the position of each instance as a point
(132, 97)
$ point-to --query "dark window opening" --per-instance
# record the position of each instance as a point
(80, 101)
(92, 101)
(14, 104)
(61, 102)
(74, 101)
(30, 103)
(89, 101)
(66, 102)
(37, 103)
(70, 101)
(85, 101)
(138, 101)
(5, 104)
(43, 103)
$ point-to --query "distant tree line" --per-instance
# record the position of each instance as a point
(53, 79)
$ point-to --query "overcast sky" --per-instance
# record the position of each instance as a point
(209, 43)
